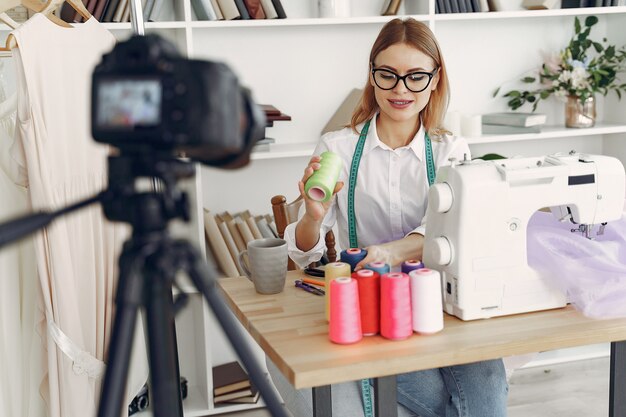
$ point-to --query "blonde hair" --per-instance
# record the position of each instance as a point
(419, 36)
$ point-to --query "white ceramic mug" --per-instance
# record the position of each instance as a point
(266, 264)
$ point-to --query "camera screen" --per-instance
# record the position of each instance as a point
(128, 104)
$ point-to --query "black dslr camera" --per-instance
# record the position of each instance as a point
(147, 98)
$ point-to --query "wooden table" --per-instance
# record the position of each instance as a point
(291, 328)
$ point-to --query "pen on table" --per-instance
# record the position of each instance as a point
(309, 288)
(314, 282)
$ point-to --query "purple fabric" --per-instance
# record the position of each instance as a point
(591, 272)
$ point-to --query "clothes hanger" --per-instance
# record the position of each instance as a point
(45, 8)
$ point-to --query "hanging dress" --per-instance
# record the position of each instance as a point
(76, 255)
(21, 352)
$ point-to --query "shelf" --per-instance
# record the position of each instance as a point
(148, 25)
(313, 21)
(286, 151)
(516, 14)
(550, 132)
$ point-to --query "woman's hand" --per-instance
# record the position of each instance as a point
(396, 252)
(315, 210)
(377, 253)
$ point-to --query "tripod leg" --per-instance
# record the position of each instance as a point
(128, 299)
(203, 277)
(165, 375)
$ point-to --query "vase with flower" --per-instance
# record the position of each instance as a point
(575, 75)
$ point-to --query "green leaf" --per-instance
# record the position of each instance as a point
(576, 25)
(545, 94)
(598, 47)
(528, 80)
(590, 21)
(495, 93)
(619, 94)
(513, 93)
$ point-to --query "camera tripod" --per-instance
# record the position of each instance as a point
(148, 265)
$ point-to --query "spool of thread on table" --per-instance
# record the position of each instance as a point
(380, 267)
(345, 317)
(411, 265)
(395, 306)
(368, 282)
(353, 256)
(321, 184)
(333, 270)
(426, 305)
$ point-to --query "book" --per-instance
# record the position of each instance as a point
(248, 399)
(269, 9)
(218, 11)
(147, 9)
(110, 10)
(119, 11)
(231, 396)
(391, 8)
(126, 14)
(255, 10)
(203, 9)
(229, 9)
(254, 228)
(244, 230)
(230, 243)
(514, 119)
(156, 10)
(488, 129)
(229, 377)
(234, 232)
(539, 4)
(218, 246)
(98, 14)
(243, 12)
(454, 6)
(279, 9)
(264, 228)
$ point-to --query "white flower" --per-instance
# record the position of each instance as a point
(565, 77)
(579, 77)
(561, 94)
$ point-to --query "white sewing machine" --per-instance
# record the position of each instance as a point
(477, 217)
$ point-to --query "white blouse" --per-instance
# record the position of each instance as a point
(390, 194)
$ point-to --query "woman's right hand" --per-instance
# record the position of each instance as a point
(315, 210)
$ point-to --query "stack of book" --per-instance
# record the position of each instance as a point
(272, 114)
(461, 6)
(238, 9)
(227, 235)
(107, 11)
(568, 4)
(512, 123)
(231, 384)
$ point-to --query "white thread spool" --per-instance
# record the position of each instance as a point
(427, 309)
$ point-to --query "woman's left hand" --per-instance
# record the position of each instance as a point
(377, 253)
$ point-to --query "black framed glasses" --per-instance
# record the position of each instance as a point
(415, 81)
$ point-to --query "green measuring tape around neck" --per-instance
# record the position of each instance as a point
(354, 170)
(366, 391)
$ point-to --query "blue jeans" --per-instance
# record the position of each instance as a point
(473, 390)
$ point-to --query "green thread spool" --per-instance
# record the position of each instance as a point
(321, 184)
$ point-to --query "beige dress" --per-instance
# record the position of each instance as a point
(77, 255)
(21, 353)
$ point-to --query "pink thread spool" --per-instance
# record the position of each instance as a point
(395, 306)
(426, 301)
(345, 314)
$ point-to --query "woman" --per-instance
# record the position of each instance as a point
(393, 146)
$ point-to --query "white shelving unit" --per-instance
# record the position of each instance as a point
(306, 66)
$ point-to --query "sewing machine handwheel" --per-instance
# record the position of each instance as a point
(441, 251)
(440, 197)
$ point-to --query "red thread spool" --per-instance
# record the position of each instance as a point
(369, 300)
(345, 316)
(395, 306)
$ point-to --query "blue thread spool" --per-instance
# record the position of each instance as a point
(380, 267)
(411, 265)
(353, 256)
